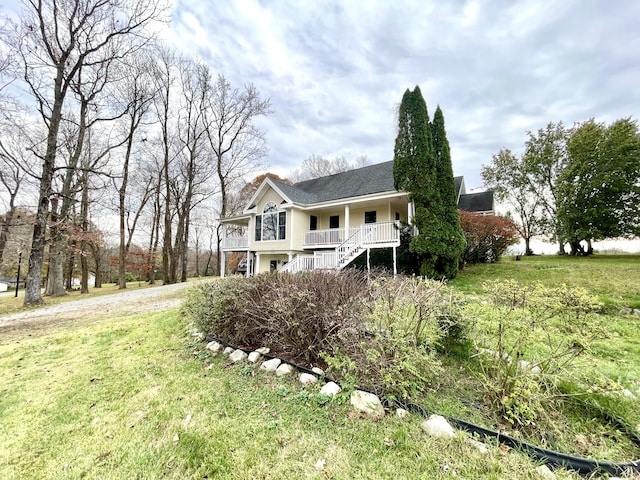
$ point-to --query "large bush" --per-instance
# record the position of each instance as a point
(394, 351)
(291, 314)
(379, 334)
(529, 338)
(488, 237)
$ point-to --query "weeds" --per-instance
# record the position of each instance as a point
(528, 337)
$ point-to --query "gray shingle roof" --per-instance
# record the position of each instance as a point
(296, 195)
(353, 183)
(367, 180)
(476, 202)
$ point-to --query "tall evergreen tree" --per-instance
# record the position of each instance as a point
(415, 171)
(452, 232)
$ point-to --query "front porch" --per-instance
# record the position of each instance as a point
(378, 235)
(360, 239)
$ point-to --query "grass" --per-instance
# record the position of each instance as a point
(612, 362)
(136, 397)
(614, 279)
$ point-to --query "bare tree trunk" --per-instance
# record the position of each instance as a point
(32, 295)
(84, 221)
(70, 265)
(527, 246)
(197, 254)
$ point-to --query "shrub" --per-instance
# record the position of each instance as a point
(488, 237)
(520, 381)
(381, 334)
(291, 314)
(394, 351)
(216, 306)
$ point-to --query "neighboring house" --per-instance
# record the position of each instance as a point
(77, 282)
(6, 282)
(326, 222)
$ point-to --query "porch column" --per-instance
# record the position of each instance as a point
(256, 266)
(395, 268)
(346, 222)
(223, 262)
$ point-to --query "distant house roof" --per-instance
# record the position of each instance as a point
(367, 180)
(476, 202)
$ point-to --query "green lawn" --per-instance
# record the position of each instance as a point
(135, 398)
(614, 279)
(138, 397)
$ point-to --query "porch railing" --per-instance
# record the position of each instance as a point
(387, 232)
(300, 263)
(235, 242)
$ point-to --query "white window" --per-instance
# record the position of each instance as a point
(271, 225)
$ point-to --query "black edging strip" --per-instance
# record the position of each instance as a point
(584, 466)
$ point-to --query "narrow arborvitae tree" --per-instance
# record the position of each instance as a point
(452, 232)
(414, 171)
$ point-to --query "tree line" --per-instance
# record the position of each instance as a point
(100, 117)
(572, 185)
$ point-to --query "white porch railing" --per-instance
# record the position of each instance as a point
(332, 236)
(365, 236)
(325, 260)
(299, 263)
(375, 233)
(387, 232)
(235, 242)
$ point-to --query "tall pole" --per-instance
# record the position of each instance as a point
(18, 276)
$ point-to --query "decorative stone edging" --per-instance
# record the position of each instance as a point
(368, 403)
(581, 465)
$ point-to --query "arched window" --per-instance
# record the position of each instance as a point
(271, 225)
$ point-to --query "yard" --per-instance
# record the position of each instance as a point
(133, 395)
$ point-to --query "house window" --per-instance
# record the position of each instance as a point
(334, 221)
(313, 222)
(370, 217)
(397, 216)
(271, 225)
(282, 225)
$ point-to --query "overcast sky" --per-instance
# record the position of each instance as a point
(335, 71)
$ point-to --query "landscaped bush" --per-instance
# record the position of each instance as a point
(529, 338)
(291, 314)
(405, 322)
(488, 237)
(377, 333)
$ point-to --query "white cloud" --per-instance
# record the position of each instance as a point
(336, 70)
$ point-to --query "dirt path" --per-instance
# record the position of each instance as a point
(91, 309)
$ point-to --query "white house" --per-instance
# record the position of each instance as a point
(326, 222)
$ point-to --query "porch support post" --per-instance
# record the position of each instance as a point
(223, 262)
(346, 222)
(368, 260)
(395, 268)
(256, 266)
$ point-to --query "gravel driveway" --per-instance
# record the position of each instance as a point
(92, 309)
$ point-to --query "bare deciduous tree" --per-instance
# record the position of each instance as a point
(54, 40)
(238, 144)
(316, 166)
